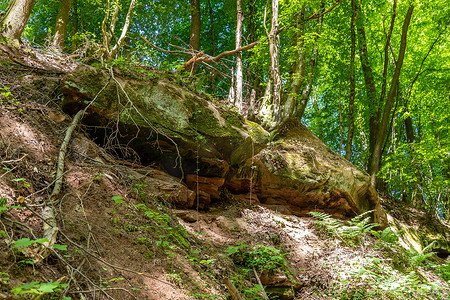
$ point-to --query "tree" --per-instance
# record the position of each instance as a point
(109, 25)
(61, 24)
(351, 100)
(375, 158)
(239, 75)
(14, 20)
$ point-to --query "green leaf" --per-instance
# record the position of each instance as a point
(48, 287)
(117, 199)
(25, 242)
(60, 247)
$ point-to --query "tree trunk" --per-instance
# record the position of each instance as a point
(239, 75)
(211, 20)
(351, 100)
(74, 45)
(14, 20)
(375, 158)
(274, 42)
(194, 36)
(297, 71)
(303, 101)
(368, 76)
(61, 24)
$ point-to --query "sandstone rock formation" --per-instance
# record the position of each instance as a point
(208, 146)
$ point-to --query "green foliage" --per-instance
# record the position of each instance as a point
(444, 271)
(416, 258)
(26, 242)
(39, 288)
(352, 231)
(3, 206)
(260, 257)
(388, 235)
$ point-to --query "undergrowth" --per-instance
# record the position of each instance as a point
(390, 272)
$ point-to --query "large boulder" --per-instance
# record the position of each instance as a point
(156, 117)
(208, 146)
(298, 173)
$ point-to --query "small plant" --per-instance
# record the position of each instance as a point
(354, 230)
(260, 257)
(3, 206)
(117, 199)
(97, 177)
(4, 278)
(416, 258)
(388, 235)
(444, 271)
(21, 182)
(39, 288)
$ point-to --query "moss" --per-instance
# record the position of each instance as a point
(257, 132)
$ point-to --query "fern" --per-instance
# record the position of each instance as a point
(417, 258)
(356, 229)
(327, 222)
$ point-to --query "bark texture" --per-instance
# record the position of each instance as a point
(14, 20)
(61, 24)
(239, 74)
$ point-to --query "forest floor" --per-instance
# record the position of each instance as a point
(115, 241)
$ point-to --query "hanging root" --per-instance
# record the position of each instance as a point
(48, 214)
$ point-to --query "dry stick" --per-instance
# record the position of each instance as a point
(262, 287)
(50, 226)
(233, 290)
(192, 60)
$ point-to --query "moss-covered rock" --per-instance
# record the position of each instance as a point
(187, 134)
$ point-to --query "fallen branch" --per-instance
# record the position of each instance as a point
(233, 290)
(259, 282)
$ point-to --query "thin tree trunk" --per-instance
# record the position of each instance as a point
(108, 31)
(213, 44)
(239, 75)
(368, 76)
(351, 100)
(211, 20)
(274, 42)
(194, 35)
(375, 159)
(75, 24)
(386, 54)
(253, 76)
(341, 130)
(61, 24)
(14, 20)
(303, 101)
(297, 71)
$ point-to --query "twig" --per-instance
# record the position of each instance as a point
(14, 160)
(262, 287)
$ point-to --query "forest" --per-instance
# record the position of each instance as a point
(231, 92)
(369, 78)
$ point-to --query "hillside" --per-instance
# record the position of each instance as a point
(167, 193)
